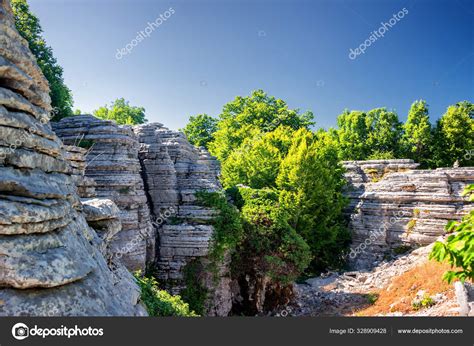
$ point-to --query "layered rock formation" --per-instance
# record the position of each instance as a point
(50, 262)
(112, 162)
(173, 171)
(394, 206)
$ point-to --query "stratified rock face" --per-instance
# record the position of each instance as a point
(173, 171)
(112, 162)
(394, 205)
(77, 159)
(50, 262)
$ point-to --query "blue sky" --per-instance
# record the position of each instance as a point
(208, 52)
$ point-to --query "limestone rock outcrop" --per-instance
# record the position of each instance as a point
(395, 206)
(112, 162)
(173, 171)
(50, 262)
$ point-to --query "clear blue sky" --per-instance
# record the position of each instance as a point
(208, 52)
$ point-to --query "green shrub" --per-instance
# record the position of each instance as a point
(458, 250)
(159, 302)
(227, 223)
(271, 247)
(426, 302)
(372, 298)
(194, 293)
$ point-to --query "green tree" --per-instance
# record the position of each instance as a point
(271, 245)
(352, 135)
(257, 162)
(200, 129)
(310, 183)
(454, 136)
(384, 133)
(248, 116)
(122, 113)
(29, 27)
(417, 139)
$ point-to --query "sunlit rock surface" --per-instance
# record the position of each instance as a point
(50, 261)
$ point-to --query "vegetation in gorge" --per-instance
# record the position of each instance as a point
(194, 293)
(227, 235)
(122, 113)
(29, 27)
(287, 183)
(159, 302)
(287, 180)
(271, 247)
(458, 250)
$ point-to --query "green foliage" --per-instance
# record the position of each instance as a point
(200, 130)
(257, 162)
(227, 235)
(372, 135)
(372, 298)
(384, 132)
(271, 245)
(352, 135)
(426, 302)
(458, 250)
(159, 302)
(310, 183)
(454, 136)
(227, 224)
(122, 113)
(417, 139)
(246, 117)
(194, 293)
(29, 27)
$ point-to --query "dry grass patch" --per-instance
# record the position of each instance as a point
(398, 296)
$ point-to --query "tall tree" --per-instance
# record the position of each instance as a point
(200, 129)
(311, 182)
(352, 135)
(257, 162)
(454, 136)
(122, 113)
(247, 116)
(29, 27)
(384, 133)
(417, 139)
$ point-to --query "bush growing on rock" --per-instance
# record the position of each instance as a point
(159, 302)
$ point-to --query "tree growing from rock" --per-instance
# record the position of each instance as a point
(29, 27)
(122, 113)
